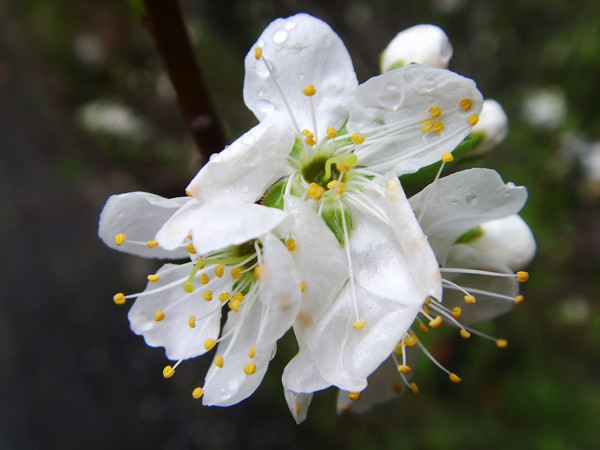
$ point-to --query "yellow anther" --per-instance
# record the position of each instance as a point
(153, 278)
(454, 378)
(190, 249)
(192, 322)
(357, 138)
(414, 387)
(473, 119)
(470, 299)
(403, 368)
(466, 104)
(298, 408)
(341, 187)
(236, 273)
(411, 340)
(291, 245)
(423, 328)
(189, 193)
(234, 304)
(120, 238)
(302, 286)
(219, 361)
(168, 372)
(310, 141)
(252, 352)
(209, 344)
(399, 349)
(204, 279)
(331, 184)
(519, 299)
(501, 343)
(358, 325)
(437, 127)
(435, 112)
(331, 132)
(427, 126)
(159, 315)
(426, 310)
(397, 388)
(522, 276)
(307, 133)
(309, 90)
(188, 286)
(119, 298)
(224, 296)
(197, 393)
(249, 369)
(427, 301)
(207, 295)
(436, 322)
(354, 396)
(151, 244)
(219, 270)
(238, 296)
(315, 191)
(257, 52)
(465, 334)
(447, 157)
(258, 270)
(456, 312)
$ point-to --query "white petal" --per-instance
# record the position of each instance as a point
(278, 291)
(422, 44)
(486, 307)
(460, 201)
(507, 240)
(384, 384)
(301, 50)
(320, 258)
(344, 356)
(389, 111)
(139, 216)
(174, 332)
(228, 385)
(494, 123)
(298, 404)
(215, 227)
(301, 374)
(248, 167)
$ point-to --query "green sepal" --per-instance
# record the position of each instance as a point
(274, 196)
(296, 152)
(470, 236)
(397, 65)
(412, 182)
(138, 7)
(334, 219)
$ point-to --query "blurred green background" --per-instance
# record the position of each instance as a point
(86, 111)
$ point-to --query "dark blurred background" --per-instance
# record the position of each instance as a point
(86, 111)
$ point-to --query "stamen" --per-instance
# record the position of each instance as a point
(357, 138)
(224, 296)
(120, 238)
(456, 312)
(435, 112)
(207, 295)
(466, 104)
(403, 368)
(168, 372)
(249, 369)
(257, 52)
(522, 276)
(219, 362)
(470, 299)
(159, 315)
(431, 190)
(153, 278)
(358, 325)
(465, 334)
(302, 286)
(315, 191)
(447, 157)
(501, 343)
(204, 278)
(190, 249)
(151, 244)
(119, 298)
(331, 132)
(437, 127)
(258, 271)
(518, 299)
(354, 396)
(197, 393)
(435, 323)
(309, 90)
(291, 245)
(413, 387)
(454, 378)
(473, 119)
(209, 344)
(192, 322)
(236, 273)
(219, 270)
(252, 352)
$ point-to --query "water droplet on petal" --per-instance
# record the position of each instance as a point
(227, 191)
(261, 93)
(420, 80)
(454, 202)
(260, 43)
(471, 199)
(393, 101)
(244, 189)
(280, 36)
(510, 184)
(261, 69)
(215, 157)
(290, 25)
(391, 86)
(248, 139)
(265, 106)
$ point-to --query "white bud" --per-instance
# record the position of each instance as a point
(507, 240)
(494, 123)
(423, 44)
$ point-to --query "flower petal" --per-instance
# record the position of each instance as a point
(173, 332)
(301, 374)
(487, 306)
(230, 384)
(298, 404)
(139, 216)
(300, 50)
(215, 227)
(245, 170)
(459, 202)
(394, 110)
(384, 385)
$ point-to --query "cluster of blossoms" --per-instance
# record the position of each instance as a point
(303, 223)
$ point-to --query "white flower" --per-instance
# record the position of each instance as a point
(477, 285)
(329, 152)
(422, 44)
(493, 123)
(244, 265)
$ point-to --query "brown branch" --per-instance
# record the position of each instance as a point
(165, 23)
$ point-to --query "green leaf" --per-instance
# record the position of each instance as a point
(274, 196)
(334, 219)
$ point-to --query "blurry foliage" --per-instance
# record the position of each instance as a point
(540, 392)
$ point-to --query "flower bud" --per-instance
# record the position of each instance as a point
(507, 240)
(493, 122)
(423, 44)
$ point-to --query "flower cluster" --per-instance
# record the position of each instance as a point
(303, 223)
